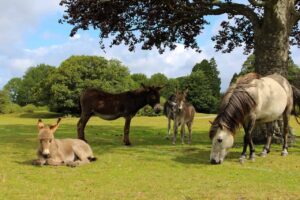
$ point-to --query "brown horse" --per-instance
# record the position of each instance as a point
(183, 113)
(112, 106)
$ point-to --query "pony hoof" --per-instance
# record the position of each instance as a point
(242, 159)
(127, 144)
(252, 158)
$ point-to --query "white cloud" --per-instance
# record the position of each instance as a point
(19, 17)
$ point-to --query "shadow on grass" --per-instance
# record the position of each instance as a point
(108, 139)
(37, 115)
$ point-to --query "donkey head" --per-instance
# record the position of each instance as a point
(180, 100)
(153, 97)
(46, 136)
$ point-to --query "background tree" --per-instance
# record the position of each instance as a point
(209, 68)
(139, 78)
(13, 87)
(80, 72)
(268, 27)
(31, 88)
(199, 92)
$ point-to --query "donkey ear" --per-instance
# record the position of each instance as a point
(40, 124)
(53, 127)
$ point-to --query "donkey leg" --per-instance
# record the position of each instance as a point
(82, 158)
(126, 131)
(189, 125)
(182, 132)
(266, 149)
(175, 129)
(285, 134)
(169, 128)
(84, 118)
(244, 153)
(53, 162)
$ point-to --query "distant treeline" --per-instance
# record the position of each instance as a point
(59, 88)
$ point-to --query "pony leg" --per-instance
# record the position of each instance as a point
(126, 131)
(248, 141)
(251, 144)
(84, 118)
(266, 149)
(285, 135)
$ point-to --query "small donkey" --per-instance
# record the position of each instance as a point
(169, 112)
(184, 113)
(70, 152)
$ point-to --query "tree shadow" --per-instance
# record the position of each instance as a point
(37, 115)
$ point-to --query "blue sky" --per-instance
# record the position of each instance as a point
(30, 35)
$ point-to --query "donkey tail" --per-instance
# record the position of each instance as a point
(296, 103)
(91, 159)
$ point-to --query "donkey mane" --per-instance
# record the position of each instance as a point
(235, 106)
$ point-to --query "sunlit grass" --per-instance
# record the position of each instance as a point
(151, 168)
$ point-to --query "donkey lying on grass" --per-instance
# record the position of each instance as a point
(70, 152)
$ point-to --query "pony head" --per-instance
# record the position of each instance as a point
(222, 140)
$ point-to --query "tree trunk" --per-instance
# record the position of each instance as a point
(272, 38)
(272, 45)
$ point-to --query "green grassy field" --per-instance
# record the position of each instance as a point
(152, 168)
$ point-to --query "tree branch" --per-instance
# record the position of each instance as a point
(258, 3)
(234, 9)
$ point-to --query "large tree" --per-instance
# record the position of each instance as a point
(268, 27)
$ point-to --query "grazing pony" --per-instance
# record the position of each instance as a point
(112, 106)
(70, 152)
(169, 108)
(253, 99)
(183, 114)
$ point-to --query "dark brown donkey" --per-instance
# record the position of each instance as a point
(112, 106)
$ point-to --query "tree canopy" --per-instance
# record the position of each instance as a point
(268, 27)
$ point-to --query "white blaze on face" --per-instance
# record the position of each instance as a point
(222, 141)
(46, 151)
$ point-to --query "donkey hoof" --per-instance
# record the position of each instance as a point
(284, 153)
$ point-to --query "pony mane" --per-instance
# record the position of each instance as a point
(235, 105)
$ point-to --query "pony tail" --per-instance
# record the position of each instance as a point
(296, 103)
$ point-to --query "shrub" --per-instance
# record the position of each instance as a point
(29, 108)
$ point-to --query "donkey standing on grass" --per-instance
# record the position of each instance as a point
(184, 113)
(110, 106)
(70, 152)
(168, 112)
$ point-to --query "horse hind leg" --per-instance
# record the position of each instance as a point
(285, 135)
(126, 131)
(268, 129)
(84, 118)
